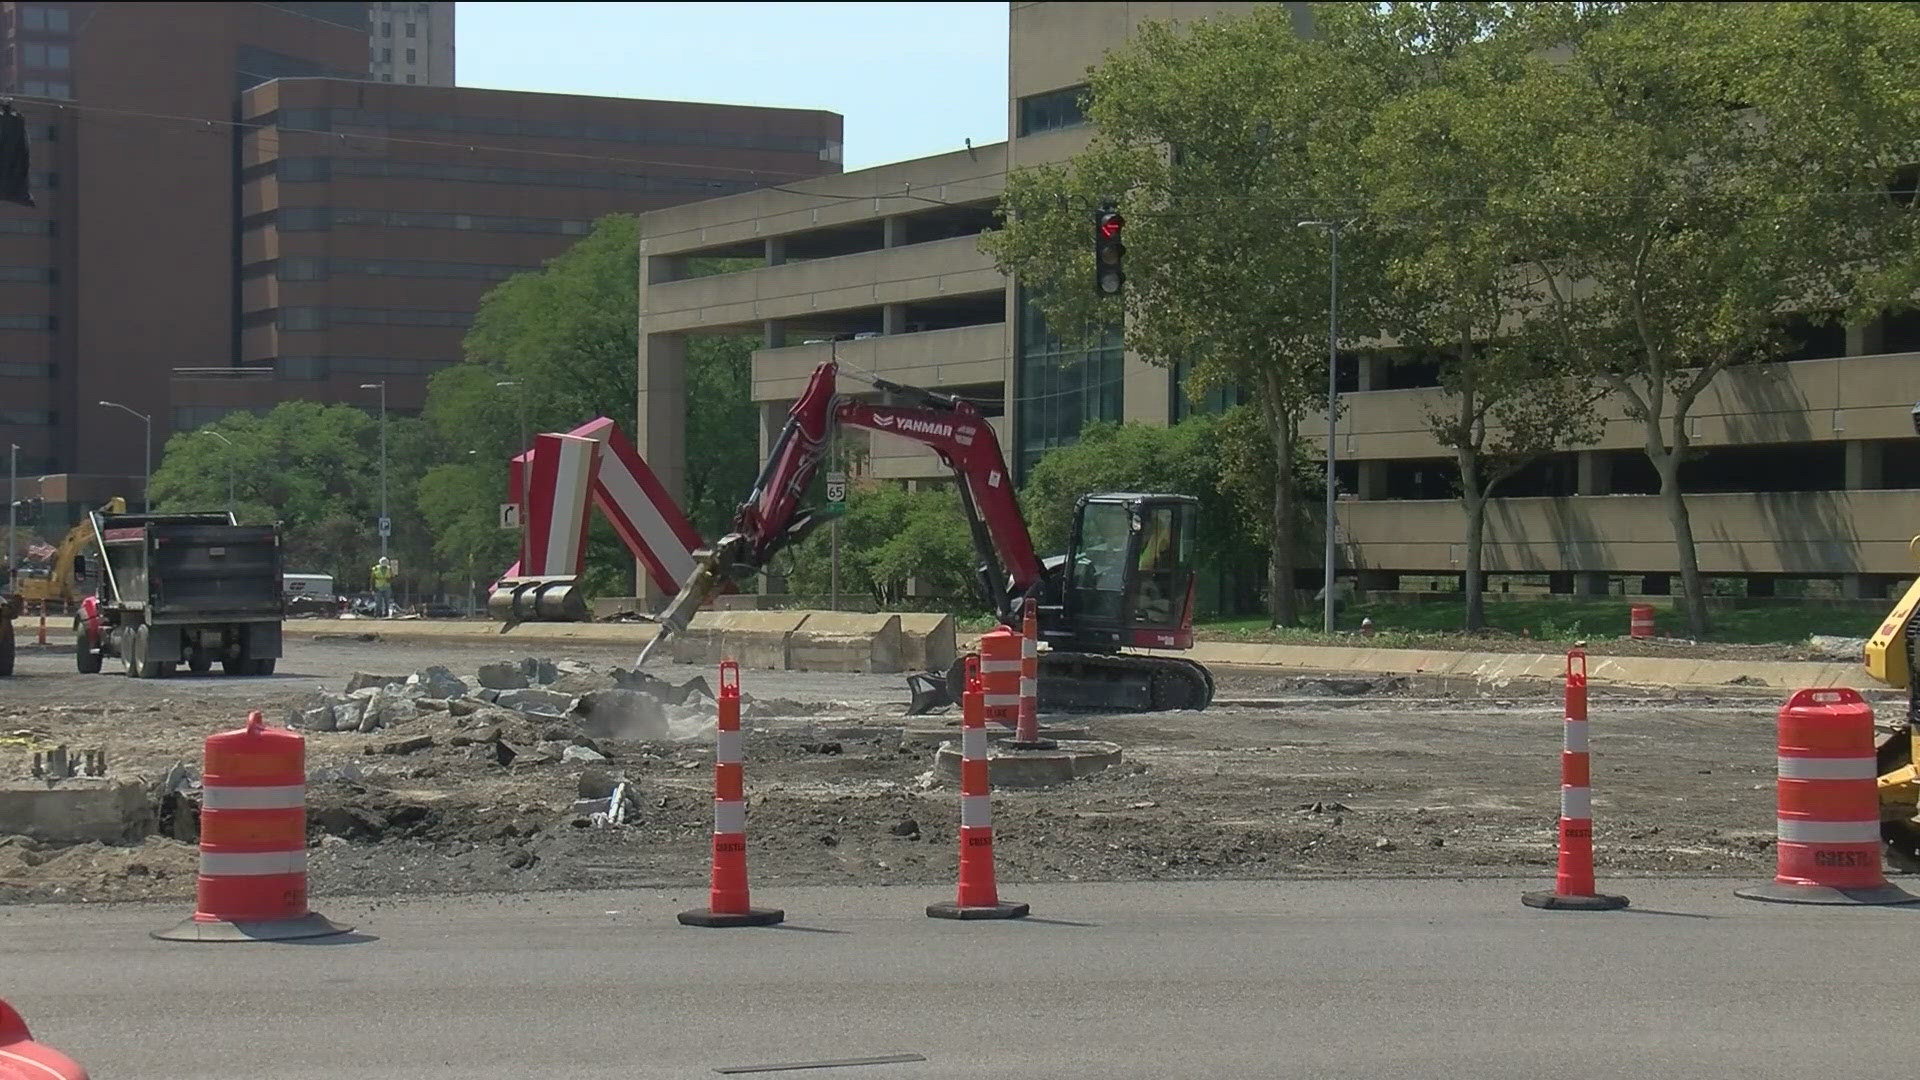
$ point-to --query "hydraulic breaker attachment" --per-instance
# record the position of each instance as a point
(537, 599)
(929, 689)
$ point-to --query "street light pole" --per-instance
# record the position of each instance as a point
(1333, 397)
(146, 490)
(229, 442)
(385, 524)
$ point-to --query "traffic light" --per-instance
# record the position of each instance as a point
(1109, 272)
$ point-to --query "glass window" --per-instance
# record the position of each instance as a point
(1166, 552)
(34, 88)
(33, 54)
(386, 78)
(409, 78)
(295, 169)
(61, 90)
(386, 56)
(301, 268)
(1053, 110)
(1060, 390)
(410, 56)
(1100, 559)
(413, 30)
(303, 318)
(57, 20)
(386, 29)
(33, 17)
(59, 56)
(24, 369)
(304, 368)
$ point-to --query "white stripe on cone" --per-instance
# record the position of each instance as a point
(973, 744)
(1001, 701)
(1028, 686)
(1795, 831)
(729, 817)
(976, 811)
(1577, 736)
(1576, 803)
(991, 667)
(289, 797)
(726, 747)
(1806, 768)
(252, 863)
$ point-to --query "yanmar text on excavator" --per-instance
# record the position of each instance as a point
(1126, 582)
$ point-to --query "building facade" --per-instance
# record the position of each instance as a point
(230, 213)
(411, 44)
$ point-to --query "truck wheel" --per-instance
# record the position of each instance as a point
(85, 659)
(137, 663)
(200, 664)
(6, 650)
(263, 667)
(235, 667)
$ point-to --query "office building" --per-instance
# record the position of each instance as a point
(411, 44)
(222, 193)
(1804, 467)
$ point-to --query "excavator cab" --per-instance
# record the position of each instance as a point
(1129, 573)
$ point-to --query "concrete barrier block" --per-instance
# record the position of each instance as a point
(761, 650)
(606, 607)
(77, 810)
(927, 642)
(846, 641)
(755, 639)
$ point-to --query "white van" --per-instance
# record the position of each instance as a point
(309, 594)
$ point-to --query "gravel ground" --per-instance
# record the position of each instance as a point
(1323, 777)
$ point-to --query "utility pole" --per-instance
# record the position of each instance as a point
(386, 523)
(146, 489)
(1333, 396)
(229, 442)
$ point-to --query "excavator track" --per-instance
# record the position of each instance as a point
(1111, 682)
(1901, 837)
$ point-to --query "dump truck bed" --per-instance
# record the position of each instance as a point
(193, 568)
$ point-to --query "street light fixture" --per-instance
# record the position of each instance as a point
(386, 524)
(1333, 393)
(146, 491)
(229, 442)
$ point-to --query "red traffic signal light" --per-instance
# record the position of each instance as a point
(1108, 274)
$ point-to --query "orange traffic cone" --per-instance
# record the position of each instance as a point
(1573, 888)
(977, 898)
(728, 903)
(22, 1058)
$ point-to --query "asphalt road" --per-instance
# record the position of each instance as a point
(1364, 979)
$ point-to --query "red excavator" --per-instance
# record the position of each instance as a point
(1126, 581)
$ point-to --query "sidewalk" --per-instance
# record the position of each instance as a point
(1484, 666)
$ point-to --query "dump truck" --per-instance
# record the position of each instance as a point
(192, 588)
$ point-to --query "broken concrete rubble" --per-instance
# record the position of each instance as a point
(539, 672)
(505, 675)
(544, 702)
(438, 682)
(361, 680)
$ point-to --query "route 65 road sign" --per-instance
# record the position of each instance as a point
(836, 487)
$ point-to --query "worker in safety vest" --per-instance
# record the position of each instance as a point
(383, 586)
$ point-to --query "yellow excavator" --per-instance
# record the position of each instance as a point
(59, 584)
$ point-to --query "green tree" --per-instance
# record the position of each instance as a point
(1214, 141)
(1684, 176)
(888, 537)
(315, 469)
(566, 337)
(1202, 456)
(1457, 268)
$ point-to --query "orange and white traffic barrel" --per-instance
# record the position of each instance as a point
(1573, 888)
(1640, 621)
(728, 902)
(1000, 668)
(978, 897)
(1026, 734)
(1828, 817)
(253, 840)
(23, 1059)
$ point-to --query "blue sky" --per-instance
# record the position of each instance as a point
(911, 79)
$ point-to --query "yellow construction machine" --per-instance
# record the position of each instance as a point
(1890, 660)
(59, 585)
